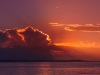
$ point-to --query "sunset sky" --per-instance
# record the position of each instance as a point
(40, 13)
(74, 23)
(14, 12)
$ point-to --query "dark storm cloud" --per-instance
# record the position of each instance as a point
(28, 37)
(35, 37)
(14, 38)
(3, 38)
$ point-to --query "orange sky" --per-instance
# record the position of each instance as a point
(78, 35)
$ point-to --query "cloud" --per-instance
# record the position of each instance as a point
(78, 27)
(83, 28)
(34, 37)
(3, 38)
(28, 37)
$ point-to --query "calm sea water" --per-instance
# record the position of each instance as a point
(49, 68)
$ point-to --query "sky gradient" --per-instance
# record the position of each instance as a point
(39, 13)
(74, 23)
(28, 12)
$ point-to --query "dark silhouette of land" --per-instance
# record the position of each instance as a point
(33, 54)
(41, 53)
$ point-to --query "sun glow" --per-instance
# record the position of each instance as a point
(80, 44)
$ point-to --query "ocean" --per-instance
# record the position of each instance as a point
(49, 68)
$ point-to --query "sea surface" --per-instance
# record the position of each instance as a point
(49, 68)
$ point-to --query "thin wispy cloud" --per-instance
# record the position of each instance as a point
(78, 27)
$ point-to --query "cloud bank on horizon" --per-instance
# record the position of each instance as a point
(28, 37)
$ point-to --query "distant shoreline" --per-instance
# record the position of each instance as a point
(45, 61)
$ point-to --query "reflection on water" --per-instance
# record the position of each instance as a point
(49, 68)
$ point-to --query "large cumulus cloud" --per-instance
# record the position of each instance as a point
(3, 38)
(28, 37)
